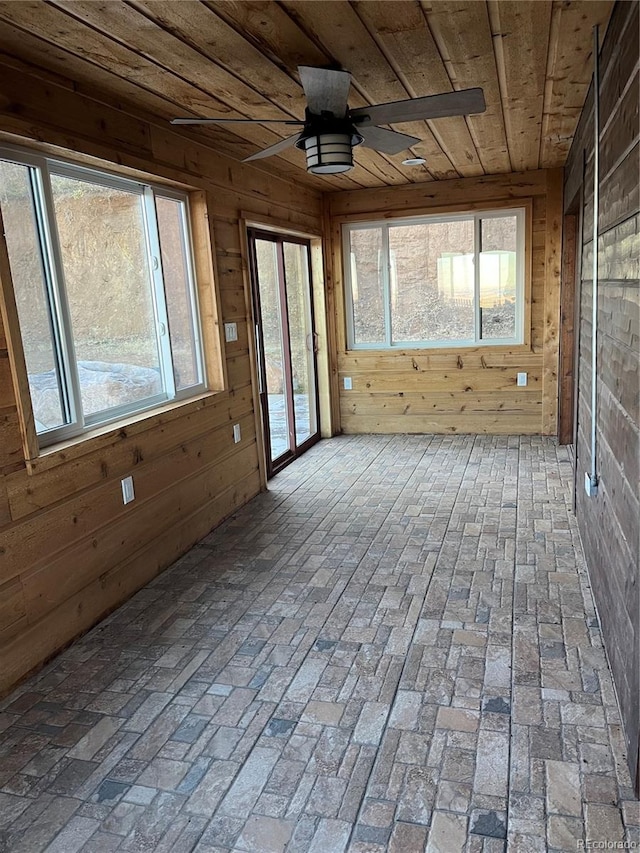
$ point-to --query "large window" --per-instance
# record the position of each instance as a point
(104, 287)
(436, 281)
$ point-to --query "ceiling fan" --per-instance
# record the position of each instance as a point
(330, 130)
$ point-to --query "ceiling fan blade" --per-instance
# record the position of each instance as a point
(432, 106)
(326, 89)
(387, 141)
(234, 120)
(274, 149)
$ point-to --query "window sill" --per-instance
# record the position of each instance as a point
(420, 349)
(100, 437)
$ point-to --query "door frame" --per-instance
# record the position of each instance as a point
(280, 237)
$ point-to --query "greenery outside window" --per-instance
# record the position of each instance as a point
(102, 271)
(454, 280)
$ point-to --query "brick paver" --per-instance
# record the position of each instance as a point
(394, 649)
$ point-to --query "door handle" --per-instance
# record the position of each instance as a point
(312, 342)
(261, 388)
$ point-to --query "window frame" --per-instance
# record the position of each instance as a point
(521, 211)
(41, 167)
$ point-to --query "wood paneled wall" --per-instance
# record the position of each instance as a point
(462, 390)
(609, 522)
(69, 550)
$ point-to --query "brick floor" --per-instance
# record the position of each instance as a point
(394, 649)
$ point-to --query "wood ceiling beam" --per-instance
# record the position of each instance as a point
(462, 33)
(569, 70)
(408, 46)
(268, 27)
(216, 42)
(520, 33)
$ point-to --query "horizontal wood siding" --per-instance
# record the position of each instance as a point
(469, 390)
(69, 550)
(609, 522)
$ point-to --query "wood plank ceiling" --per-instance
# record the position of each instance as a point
(238, 58)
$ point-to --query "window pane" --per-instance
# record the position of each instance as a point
(108, 283)
(431, 281)
(367, 291)
(498, 277)
(25, 258)
(296, 270)
(274, 354)
(177, 285)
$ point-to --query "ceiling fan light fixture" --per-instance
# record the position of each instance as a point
(329, 153)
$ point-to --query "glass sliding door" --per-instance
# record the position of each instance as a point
(272, 352)
(286, 345)
(301, 340)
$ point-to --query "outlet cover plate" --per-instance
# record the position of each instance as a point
(348, 384)
(236, 433)
(522, 379)
(590, 487)
(230, 332)
(128, 493)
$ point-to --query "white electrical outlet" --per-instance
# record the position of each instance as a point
(348, 384)
(236, 433)
(127, 490)
(522, 379)
(230, 332)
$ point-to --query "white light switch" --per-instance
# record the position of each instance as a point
(127, 490)
(348, 385)
(230, 332)
(522, 379)
(236, 433)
